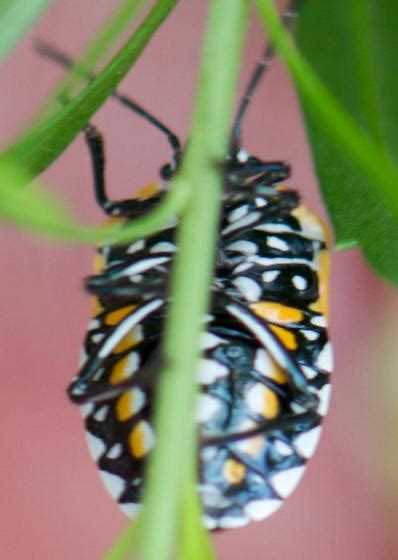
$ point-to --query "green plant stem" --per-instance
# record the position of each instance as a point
(37, 150)
(169, 469)
(368, 157)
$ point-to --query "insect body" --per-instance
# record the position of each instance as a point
(264, 376)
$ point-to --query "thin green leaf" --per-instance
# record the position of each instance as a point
(36, 151)
(120, 19)
(32, 208)
(357, 62)
(359, 181)
(16, 16)
(38, 210)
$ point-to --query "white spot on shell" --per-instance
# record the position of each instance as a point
(306, 443)
(310, 335)
(260, 509)
(210, 370)
(231, 522)
(131, 364)
(263, 363)
(86, 409)
(243, 246)
(137, 246)
(242, 156)
(209, 340)
(208, 453)
(212, 496)
(207, 406)
(297, 408)
(93, 324)
(242, 222)
(277, 243)
(272, 227)
(209, 522)
(282, 448)
(143, 265)
(136, 278)
(299, 282)
(242, 267)
(309, 372)
(260, 202)
(96, 446)
(101, 413)
(163, 247)
(270, 275)
(131, 510)
(286, 481)
(324, 360)
(137, 400)
(115, 451)
(324, 399)
(113, 483)
(319, 321)
(97, 337)
(249, 289)
(238, 213)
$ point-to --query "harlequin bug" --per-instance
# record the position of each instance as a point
(264, 377)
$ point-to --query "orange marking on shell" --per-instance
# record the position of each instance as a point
(140, 440)
(119, 371)
(114, 317)
(125, 406)
(278, 375)
(271, 406)
(251, 446)
(321, 304)
(311, 224)
(129, 341)
(98, 263)
(287, 338)
(96, 307)
(276, 312)
(234, 471)
(149, 190)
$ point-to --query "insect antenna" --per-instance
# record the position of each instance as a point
(54, 54)
(262, 65)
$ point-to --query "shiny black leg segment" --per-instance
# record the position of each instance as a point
(130, 208)
(297, 422)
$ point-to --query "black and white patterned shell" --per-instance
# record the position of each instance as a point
(264, 376)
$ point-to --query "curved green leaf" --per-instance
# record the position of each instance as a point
(37, 150)
(16, 16)
(353, 45)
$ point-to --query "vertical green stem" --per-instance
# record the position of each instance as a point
(201, 172)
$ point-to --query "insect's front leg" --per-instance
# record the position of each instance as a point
(130, 208)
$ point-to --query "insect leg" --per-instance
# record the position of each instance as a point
(297, 422)
(86, 387)
(125, 208)
(62, 59)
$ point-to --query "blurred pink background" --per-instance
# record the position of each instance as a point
(52, 503)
